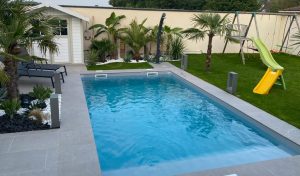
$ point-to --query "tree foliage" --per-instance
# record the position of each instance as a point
(136, 36)
(232, 5)
(276, 5)
(222, 5)
(20, 26)
(166, 4)
(111, 29)
(207, 24)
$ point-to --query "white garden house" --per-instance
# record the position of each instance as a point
(69, 37)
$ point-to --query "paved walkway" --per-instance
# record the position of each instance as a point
(71, 151)
(68, 151)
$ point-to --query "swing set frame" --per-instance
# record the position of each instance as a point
(244, 38)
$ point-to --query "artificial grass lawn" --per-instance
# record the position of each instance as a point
(282, 104)
(120, 65)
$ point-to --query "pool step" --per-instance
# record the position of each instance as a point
(102, 75)
(152, 74)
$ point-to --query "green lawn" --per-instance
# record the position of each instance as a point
(120, 65)
(283, 104)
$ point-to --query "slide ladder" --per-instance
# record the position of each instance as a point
(274, 72)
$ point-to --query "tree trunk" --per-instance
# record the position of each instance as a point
(115, 52)
(11, 68)
(146, 52)
(208, 54)
(137, 56)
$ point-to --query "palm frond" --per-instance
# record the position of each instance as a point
(194, 34)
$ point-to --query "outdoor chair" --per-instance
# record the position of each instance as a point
(24, 71)
(34, 66)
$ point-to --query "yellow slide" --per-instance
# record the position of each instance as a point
(268, 80)
(274, 69)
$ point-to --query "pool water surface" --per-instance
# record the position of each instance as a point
(161, 125)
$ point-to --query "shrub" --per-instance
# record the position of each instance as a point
(37, 115)
(3, 94)
(92, 58)
(128, 57)
(10, 107)
(177, 47)
(41, 93)
(103, 48)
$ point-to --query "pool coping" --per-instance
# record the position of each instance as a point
(273, 123)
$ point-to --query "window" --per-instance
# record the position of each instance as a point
(62, 28)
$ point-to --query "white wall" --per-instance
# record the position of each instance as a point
(77, 40)
(271, 27)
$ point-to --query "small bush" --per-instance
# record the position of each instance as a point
(41, 93)
(92, 58)
(128, 57)
(102, 48)
(10, 107)
(177, 47)
(37, 115)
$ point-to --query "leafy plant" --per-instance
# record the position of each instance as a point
(296, 41)
(210, 25)
(92, 58)
(177, 47)
(41, 93)
(128, 57)
(20, 25)
(103, 48)
(111, 28)
(10, 107)
(3, 94)
(3, 77)
(168, 35)
(135, 36)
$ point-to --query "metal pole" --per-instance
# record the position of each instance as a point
(287, 33)
(227, 39)
(297, 22)
(247, 31)
(240, 38)
(158, 52)
(256, 26)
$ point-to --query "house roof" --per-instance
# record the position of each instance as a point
(292, 9)
(61, 9)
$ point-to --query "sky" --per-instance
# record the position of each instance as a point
(76, 2)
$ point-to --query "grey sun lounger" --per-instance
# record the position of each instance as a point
(40, 74)
(34, 66)
(50, 67)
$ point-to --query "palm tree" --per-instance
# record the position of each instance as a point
(210, 25)
(20, 26)
(168, 35)
(111, 29)
(152, 37)
(136, 36)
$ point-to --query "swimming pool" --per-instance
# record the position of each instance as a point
(162, 125)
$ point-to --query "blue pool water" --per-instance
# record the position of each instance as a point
(165, 126)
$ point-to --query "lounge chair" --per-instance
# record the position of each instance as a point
(49, 67)
(23, 71)
(34, 66)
